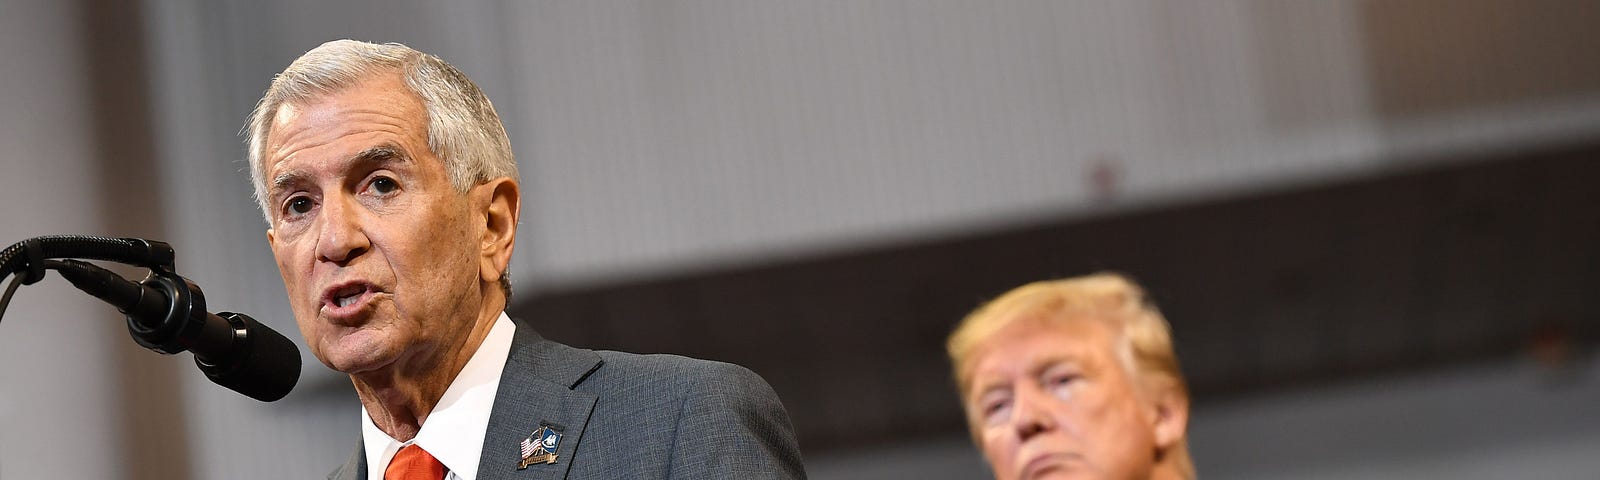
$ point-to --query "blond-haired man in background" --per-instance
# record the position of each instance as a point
(1073, 378)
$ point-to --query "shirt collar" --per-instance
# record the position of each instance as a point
(454, 430)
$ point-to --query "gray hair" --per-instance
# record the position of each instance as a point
(463, 129)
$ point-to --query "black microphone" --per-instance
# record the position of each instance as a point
(167, 313)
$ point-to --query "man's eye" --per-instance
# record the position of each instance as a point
(994, 409)
(298, 205)
(384, 185)
(1061, 385)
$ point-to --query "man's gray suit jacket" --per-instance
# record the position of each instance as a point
(627, 416)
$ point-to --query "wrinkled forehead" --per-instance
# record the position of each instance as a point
(375, 111)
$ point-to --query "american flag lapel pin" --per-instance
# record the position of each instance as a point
(540, 446)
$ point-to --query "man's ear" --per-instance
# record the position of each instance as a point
(1170, 419)
(272, 239)
(501, 203)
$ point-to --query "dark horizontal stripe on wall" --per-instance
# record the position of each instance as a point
(1455, 262)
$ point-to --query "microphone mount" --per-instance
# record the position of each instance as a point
(165, 312)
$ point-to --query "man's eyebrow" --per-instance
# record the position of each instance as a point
(992, 387)
(381, 154)
(1069, 358)
(979, 390)
(283, 181)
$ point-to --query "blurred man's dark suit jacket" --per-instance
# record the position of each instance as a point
(630, 416)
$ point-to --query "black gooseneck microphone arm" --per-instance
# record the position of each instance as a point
(165, 312)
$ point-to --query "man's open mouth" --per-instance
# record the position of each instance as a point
(346, 295)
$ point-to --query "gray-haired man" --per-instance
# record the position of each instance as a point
(392, 199)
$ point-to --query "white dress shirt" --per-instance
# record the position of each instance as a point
(453, 432)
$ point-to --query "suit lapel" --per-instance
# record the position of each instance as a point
(355, 468)
(536, 389)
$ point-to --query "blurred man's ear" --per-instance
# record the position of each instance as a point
(500, 201)
(1170, 409)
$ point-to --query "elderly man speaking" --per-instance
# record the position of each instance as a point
(1073, 378)
(392, 198)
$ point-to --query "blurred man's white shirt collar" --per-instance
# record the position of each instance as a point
(454, 430)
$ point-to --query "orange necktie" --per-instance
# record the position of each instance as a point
(414, 463)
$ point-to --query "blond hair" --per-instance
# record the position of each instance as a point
(1145, 340)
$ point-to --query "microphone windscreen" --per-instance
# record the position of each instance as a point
(265, 365)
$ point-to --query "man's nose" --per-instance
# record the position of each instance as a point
(341, 238)
(1033, 415)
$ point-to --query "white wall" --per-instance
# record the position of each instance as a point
(662, 135)
(58, 410)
